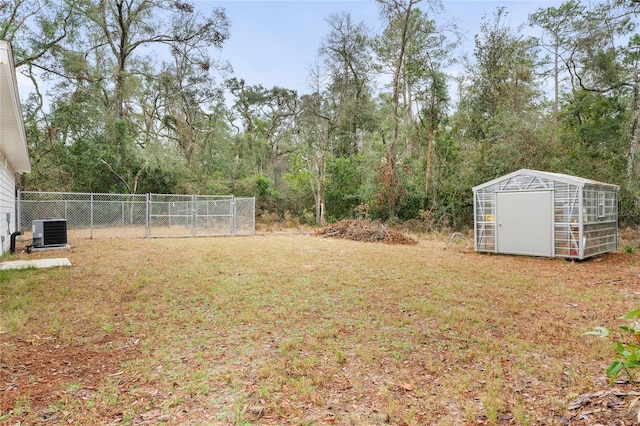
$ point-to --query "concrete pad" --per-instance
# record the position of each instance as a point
(48, 248)
(37, 263)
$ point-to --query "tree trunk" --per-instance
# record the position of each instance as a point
(427, 173)
(320, 190)
(393, 190)
(408, 120)
(633, 170)
(122, 59)
(556, 76)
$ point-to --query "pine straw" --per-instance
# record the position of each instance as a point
(364, 230)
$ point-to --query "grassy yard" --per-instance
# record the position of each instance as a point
(301, 330)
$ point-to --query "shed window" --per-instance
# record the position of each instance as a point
(601, 204)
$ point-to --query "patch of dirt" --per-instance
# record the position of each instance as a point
(364, 230)
(37, 373)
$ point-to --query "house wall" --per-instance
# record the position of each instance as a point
(7, 204)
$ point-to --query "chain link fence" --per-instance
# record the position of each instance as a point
(146, 215)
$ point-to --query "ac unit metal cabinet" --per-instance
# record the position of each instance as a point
(49, 232)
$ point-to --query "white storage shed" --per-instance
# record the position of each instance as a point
(14, 156)
(535, 213)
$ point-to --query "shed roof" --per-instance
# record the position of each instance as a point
(13, 141)
(558, 177)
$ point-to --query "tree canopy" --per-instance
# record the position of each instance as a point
(398, 123)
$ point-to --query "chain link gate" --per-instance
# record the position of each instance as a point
(143, 215)
(200, 215)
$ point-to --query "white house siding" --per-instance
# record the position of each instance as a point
(7, 205)
(14, 155)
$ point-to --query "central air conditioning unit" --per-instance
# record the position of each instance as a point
(49, 233)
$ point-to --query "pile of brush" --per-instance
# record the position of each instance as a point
(364, 230)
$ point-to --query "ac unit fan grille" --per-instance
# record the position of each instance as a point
(49, 233)
(55, 232)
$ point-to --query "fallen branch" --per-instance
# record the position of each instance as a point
(456, 236)
(615, 280)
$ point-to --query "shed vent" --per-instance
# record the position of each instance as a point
(49, 232)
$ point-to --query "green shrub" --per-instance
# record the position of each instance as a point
(627, 345)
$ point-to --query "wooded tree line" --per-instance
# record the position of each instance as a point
(396, 125)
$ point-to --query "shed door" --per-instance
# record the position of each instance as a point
(525, 223)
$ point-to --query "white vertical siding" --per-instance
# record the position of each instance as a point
(7, 204)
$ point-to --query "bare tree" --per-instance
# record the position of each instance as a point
(396, 12)
(346, 55)
(125, 27)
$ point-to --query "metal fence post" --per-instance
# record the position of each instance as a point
(234, 215)
(91, 217)
(193, 215)
(147, 216)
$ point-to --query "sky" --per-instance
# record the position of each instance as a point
(274, 43)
